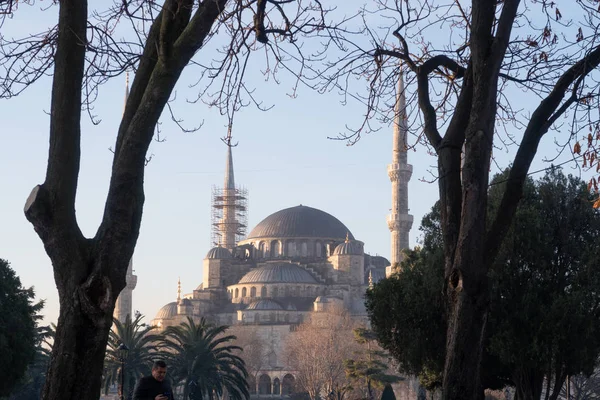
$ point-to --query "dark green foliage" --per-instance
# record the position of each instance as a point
(18, 324)
(407, 310)
(544, 304)
(199, 357)
(371, 368)
(138, 362)
(31, 384)
(388, 393)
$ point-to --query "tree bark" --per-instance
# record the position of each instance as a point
(90, 273)
(528, 384)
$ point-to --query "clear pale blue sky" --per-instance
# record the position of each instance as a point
(284, 159)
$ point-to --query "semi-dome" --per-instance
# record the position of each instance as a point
(300, 221)
(278, 273)
(348, 248)
(264, 304)
(218, 253)
(167, 311)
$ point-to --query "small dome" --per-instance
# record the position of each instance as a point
(349, 248)
(167, 311)
(327, 299)
(185, 302)
(217, 253)
(291, 307)
(300, 221)
(264, 304)
(278, 273)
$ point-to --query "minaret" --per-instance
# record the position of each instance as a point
(229, 227)
(123, 306)
(229, 208)
(399, 171)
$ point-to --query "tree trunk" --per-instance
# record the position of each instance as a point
(81, 337)
(528, 385)
(90, 273)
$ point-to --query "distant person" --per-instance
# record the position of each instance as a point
(155, 386)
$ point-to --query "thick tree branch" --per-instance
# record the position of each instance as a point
(542, 118)
(51, 206)
(123, 211)
(192, 38)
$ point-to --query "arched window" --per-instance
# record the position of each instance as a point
(309, 291)
(263, 291)
(275, 292)
(286, 318)
(272, 359)
(287, 385)
(291, 250)
(252, 291)
(286, 291)
(244, 293)
(261, 249)
(264, 384)
(275, 249)
(276, 386)
(319, 249)
(237, 293)
(304, 252)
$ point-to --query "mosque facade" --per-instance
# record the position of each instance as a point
(298, 264)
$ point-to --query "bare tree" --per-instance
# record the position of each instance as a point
(317, 352)
(581, 387)
(254, 348)
(82, 52)
(471, 64)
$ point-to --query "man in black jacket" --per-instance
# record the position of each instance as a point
(155, 386)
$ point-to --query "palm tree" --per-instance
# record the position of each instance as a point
(32, 383)
(201, 359)
(138, 361)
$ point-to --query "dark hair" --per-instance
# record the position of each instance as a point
(159, 364)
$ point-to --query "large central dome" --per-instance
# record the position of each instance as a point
(300, 221)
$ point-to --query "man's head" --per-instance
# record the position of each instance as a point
(159, 370)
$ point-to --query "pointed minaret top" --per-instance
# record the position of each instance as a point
(126, 90)
(178, 289)
(370, 279)
(229, 179)
(400, 122)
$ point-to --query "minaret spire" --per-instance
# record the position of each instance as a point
(229, 177)
(126, 90)
(399, 171)
(178, 288)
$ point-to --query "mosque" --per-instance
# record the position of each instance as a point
(298, 264)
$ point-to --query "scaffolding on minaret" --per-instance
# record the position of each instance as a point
(229, 217)
(399, 171)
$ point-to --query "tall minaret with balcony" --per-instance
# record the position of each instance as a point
(399, 171)
(123, 306)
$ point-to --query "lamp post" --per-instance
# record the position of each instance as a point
(122, 352)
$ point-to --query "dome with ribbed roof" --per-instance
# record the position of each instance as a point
(278, 273)
(300, 221)
(348, 248)
(218, 253)
(264, 304)
(167, 311)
